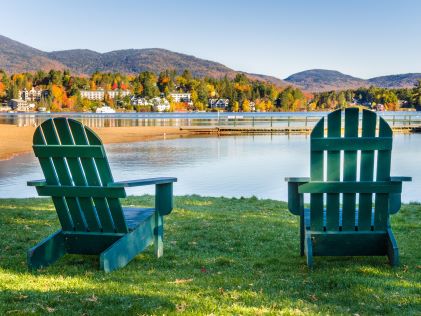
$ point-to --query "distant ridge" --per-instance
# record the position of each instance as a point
(17, 57)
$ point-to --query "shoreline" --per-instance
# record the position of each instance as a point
(15, 140)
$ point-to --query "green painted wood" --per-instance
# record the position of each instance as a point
(164, 198)
(90, 243)
(51, 178)
(158, 238)
(106, 177)
(333, 171)
(76, 171)
(64, 177)
(308, 245)
(141, 182)
(47, 251)
(126, 248)
(349, 243)
(87, 200)
(366, 171)
(316, 173)
(381, 213)
(351, 187)
(392, 249)
(67, 151)
(295, 199)
(350, 170)
(80, 191)
(92, 177)
(352, 143)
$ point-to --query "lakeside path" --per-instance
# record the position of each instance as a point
(16, 140)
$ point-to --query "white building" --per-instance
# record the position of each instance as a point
(160, 104)
(100, 94)
(139, 101)
(31, 95)
(21, 105)
(218, 103)
(181, 97)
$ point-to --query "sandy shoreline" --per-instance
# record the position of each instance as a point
(16, 140)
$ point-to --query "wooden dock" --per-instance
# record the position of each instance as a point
(244, 130)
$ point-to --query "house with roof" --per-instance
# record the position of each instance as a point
(218, 103)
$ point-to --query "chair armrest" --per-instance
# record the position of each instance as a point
(395, 198)
(295, 199)
(300, 180)
(141, 182)
(36, 183)
(400, 179)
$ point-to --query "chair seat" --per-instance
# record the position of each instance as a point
(134, 216)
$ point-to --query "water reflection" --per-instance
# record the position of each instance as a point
(226, 166)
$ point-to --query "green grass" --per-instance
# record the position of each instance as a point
(221, 256)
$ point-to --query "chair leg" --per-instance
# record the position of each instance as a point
(158, 237)
(47, 251)
(302, 235)
(127, 247)
(308, 249)
(392, 249)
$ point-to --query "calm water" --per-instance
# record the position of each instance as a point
(226, 166)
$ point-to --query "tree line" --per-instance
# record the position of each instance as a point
(243, 93)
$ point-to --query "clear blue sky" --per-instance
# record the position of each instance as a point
(363, 38)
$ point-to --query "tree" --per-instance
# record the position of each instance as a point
(246, 106)
(235, 106)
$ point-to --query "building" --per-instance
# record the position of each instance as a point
(160, 104)
(139, 101)
(21, 105)
(32, 95)
(181, 97)
(218, 103)
(100, 94)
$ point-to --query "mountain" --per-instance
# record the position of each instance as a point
(17, 57)
(317, 80)
(396, 81)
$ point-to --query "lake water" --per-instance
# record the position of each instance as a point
(231, 166)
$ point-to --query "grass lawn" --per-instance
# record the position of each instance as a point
(221, 256)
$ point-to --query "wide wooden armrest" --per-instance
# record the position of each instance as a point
(298, 180)
(400, 179)
(141, 182)
(36, 183)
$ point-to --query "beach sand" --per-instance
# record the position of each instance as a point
(16, 140)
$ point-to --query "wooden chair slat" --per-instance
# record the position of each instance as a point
(316, 170)
(350, 170)
(382, 174)
(366, 172)
(351, 143)
(68, 151)
(333, 172)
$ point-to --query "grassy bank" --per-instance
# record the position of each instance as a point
(221, 256)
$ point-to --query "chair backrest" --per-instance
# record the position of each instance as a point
(77, 172)
(339, 157)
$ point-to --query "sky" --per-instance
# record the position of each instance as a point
(362, 38)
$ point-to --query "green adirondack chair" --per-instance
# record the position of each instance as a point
(86, 198)
(342, 220)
